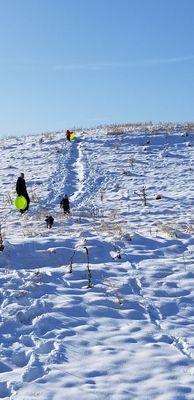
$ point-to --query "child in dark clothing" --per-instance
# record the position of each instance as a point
(68, 135)
(65, 204)
(49, 221)
(22, 191)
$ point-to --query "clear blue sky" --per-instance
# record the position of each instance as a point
(67, 63)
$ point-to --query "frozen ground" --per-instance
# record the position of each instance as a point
(130, 336)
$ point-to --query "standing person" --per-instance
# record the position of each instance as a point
(65, 204)
(22, 191)
(68, 135)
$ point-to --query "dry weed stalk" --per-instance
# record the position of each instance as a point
(131, 162)
(34, 196)
(167, 230)
(71, 263)
(186, 227)
(113, 215)
(142, 195)
(114, 291)
(101, 195)
(1, 240)
(88, 269)
(37, 276)
(9, 200)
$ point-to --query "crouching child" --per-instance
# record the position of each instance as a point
(49, 221)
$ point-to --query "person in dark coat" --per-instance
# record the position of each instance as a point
(49, 221)
(65, 204)
(22, 191)
(68, 135)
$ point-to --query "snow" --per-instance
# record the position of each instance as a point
(130, 335)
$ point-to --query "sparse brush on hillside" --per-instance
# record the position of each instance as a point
(97, 212)
(34, 196)
(9, 200)
(71, 263)
(113, 290)
(167, 230)
(1, 240)
(131, 162)
(101, 195)
(88, 268)
(143, 195)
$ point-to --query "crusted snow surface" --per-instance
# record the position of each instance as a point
(101, 306)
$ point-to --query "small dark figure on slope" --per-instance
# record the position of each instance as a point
(68, 135)
(49, 221)
(65, 204)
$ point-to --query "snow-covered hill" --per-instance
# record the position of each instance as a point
(131, 335)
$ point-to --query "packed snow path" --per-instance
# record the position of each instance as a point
(130, 336)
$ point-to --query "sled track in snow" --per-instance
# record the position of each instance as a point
(64, 179)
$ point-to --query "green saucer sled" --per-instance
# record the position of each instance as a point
(20, 202)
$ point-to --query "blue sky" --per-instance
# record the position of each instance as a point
(66, 63)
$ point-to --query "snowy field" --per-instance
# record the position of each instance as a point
(131, 334)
